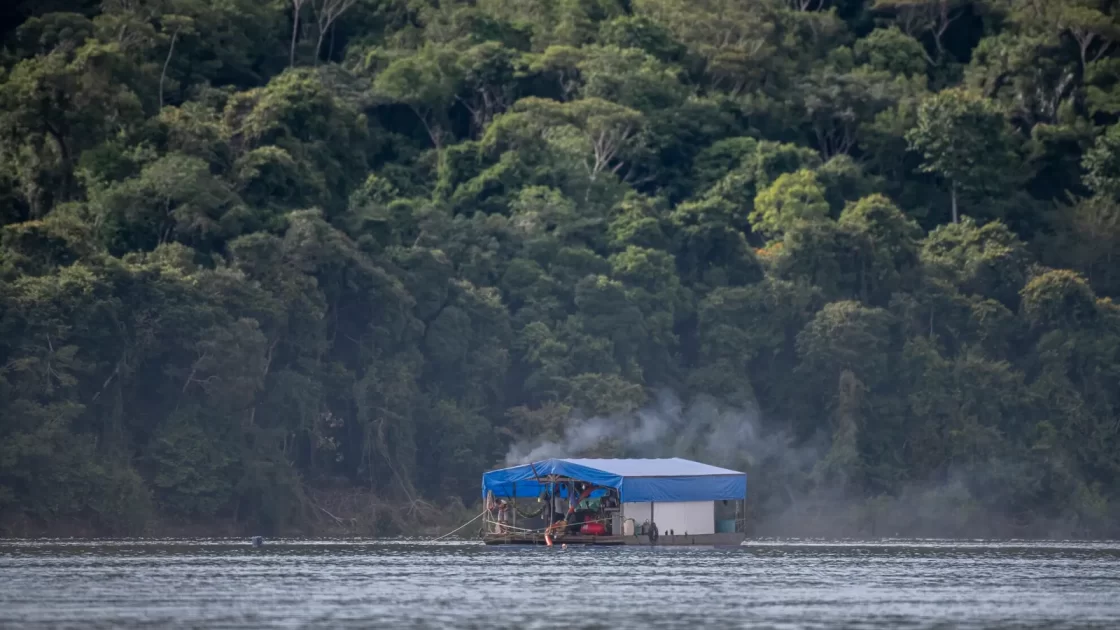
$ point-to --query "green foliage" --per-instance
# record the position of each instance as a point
(175, 198)
(793, 199)
(637, 31)
(247, 260)
(845, 337)
(191, 468)
(965, 139)
(1102, 164)
(890, 50)
(986, 260)
(1059, 299)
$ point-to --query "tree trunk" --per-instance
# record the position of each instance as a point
(296, 5)
(167, 62)
(63, 192)
(330, 48)
(319, 44)
(435, 133)
(953, 196)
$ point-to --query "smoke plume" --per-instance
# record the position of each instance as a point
(797, 488)
(703, 430)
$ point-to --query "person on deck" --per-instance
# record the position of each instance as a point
(503, 516)
(558, 507)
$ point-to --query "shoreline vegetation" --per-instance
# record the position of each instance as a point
(859, 524)
(358, 515)
(340, 513)
(312, 266)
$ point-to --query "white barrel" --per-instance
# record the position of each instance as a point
(628, 527)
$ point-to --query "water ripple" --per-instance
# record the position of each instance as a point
(226, 583)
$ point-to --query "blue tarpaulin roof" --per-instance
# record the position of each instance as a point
(637, 480)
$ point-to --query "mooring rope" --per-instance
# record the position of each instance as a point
(460, 528)
(545, 529)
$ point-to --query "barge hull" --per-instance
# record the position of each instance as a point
(665, 540)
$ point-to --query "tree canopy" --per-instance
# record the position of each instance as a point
(296, 264)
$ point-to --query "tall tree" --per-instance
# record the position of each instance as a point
(966, 140)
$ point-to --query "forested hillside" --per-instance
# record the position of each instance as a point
(264, 260)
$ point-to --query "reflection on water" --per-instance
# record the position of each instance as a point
(763, 584)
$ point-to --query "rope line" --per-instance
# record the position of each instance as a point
(460, 528)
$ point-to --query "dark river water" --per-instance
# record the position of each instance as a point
(404, 584)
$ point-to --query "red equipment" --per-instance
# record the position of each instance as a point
(593, 529)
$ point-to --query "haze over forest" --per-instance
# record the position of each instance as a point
(314, 265)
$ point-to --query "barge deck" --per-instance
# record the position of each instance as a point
(729, 539)
(614, 502)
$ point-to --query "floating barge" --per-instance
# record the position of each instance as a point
(614, 502)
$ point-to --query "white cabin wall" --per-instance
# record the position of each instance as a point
(693, 517)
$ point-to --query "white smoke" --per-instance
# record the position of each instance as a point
(579, 437)
(703, 430)
(789, 492)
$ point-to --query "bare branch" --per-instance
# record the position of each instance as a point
(297, 6)
(326, 12)
(167, 62)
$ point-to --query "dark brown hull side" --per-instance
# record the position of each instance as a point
(665, 540)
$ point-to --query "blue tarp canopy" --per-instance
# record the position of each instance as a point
(637, 480)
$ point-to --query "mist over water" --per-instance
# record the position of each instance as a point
(406, 584)
(802, 488)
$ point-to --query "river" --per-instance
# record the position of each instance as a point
(401, 584)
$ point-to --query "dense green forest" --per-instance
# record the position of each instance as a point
(289, 265)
